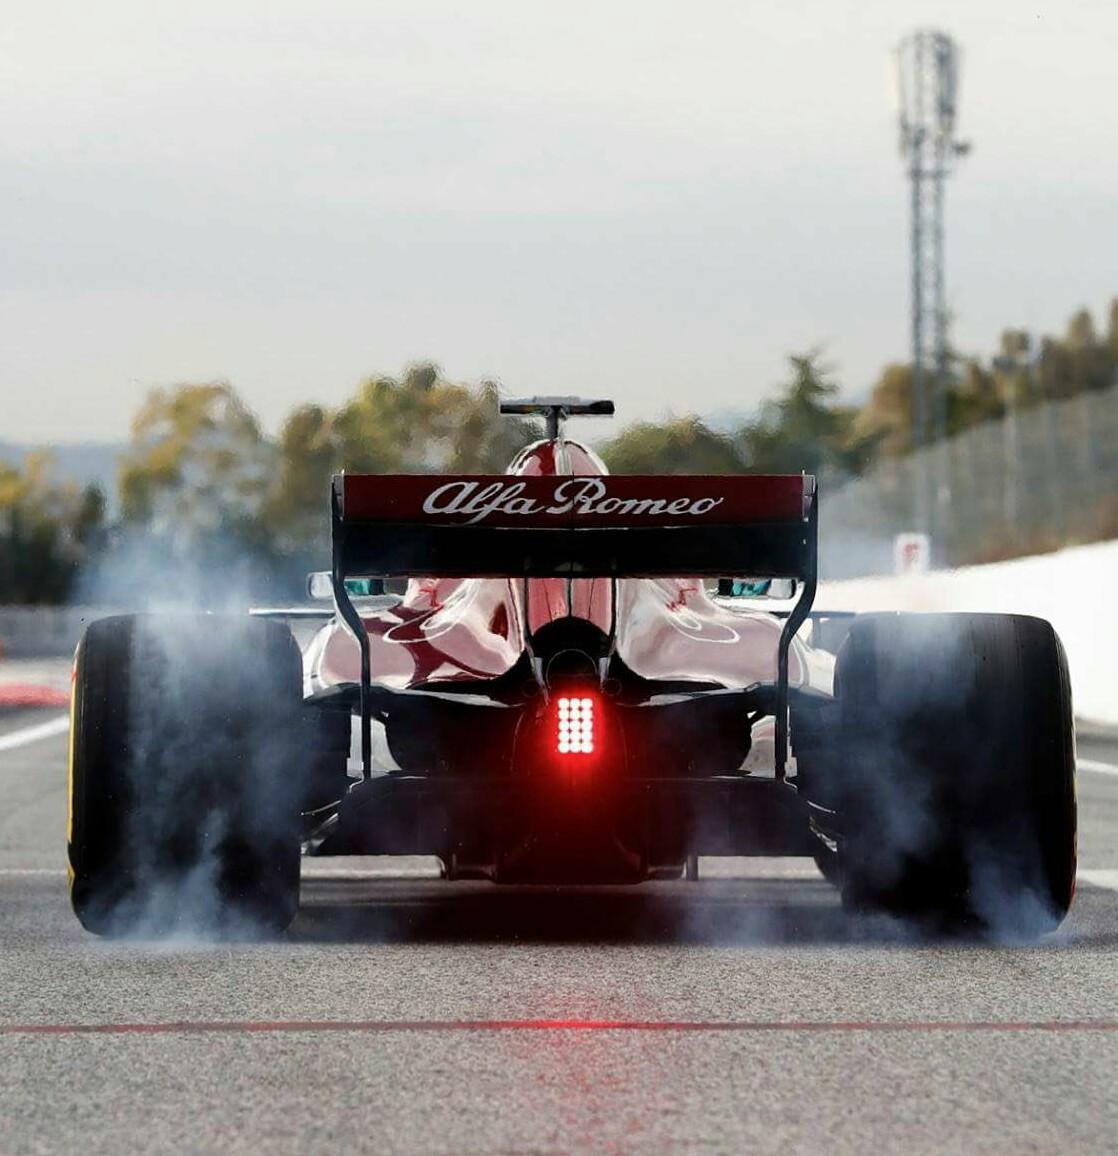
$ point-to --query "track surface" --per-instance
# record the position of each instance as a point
(737, 1014)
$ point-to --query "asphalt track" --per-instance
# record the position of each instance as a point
(744, 1012)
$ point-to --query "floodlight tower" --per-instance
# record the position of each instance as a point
(927, 81)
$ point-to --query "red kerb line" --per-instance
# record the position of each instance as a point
(21, 694)
(245, 1027)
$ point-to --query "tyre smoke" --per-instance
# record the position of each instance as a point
(191, 755)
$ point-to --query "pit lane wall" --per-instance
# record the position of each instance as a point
(1075, 589)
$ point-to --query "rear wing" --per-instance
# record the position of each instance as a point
(407, 525)
(404, 525)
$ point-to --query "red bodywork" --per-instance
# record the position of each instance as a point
(455, 629)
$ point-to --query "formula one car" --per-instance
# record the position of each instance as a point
(548, 700)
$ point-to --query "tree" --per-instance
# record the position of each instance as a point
(885, 421)
(974, 397)
(682, 445)
(485, 440)
(48, 530)
(804, 428)
(198, 468)
(972, 394)
(297, 507)
(1054, 370)
(424, 423)
(417, 423)
(1013, 369)
(1067, 366)
(1090, 360)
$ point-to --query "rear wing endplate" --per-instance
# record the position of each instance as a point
(407, 525)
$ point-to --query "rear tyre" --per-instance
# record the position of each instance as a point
(827, 860)
(185, 776)
(958, 794)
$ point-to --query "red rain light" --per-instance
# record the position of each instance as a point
(574, 728)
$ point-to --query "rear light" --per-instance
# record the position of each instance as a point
(575, 726)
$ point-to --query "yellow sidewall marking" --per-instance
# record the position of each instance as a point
(71, 753)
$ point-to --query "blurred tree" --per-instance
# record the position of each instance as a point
(885, 421)
(198, 468)
(804, 428)
(1015, 344)
(417, 423)
(973, 397)
(1081, 360)
(485, 442)
(1081, 330)
(386, 427)
(1022, 372)
(1112, 332)
(424, 423)
(89, 518)
(297, 509)
(1090, 359)
(1053, 370)
(47, 530)
(682, 445)
(1014, 369)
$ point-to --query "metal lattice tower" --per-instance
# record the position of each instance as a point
(927, 75)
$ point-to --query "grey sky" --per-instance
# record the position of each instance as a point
(654, 200)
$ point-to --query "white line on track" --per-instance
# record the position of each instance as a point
(25, 872)
(1097, 878)
(1096, 766)
(21, 738)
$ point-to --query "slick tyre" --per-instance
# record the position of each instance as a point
(184, 776)
(959, 770)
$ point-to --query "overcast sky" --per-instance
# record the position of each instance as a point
(656, 201)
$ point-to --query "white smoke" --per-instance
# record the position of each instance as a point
(188, 712)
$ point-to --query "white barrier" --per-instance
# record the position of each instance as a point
(1075, 589)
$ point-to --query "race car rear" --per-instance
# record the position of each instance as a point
(550, 701)
(572, 765)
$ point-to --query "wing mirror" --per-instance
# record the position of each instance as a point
(320, 586)
(772, 589)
